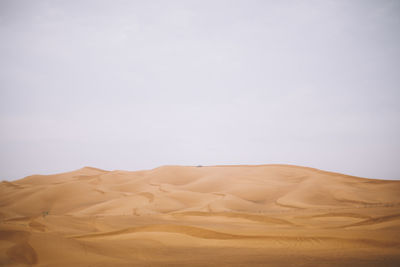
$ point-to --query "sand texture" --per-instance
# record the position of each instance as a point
(264, 215)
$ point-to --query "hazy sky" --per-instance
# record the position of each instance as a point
(138, 84)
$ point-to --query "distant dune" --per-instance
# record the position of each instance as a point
(261, 215)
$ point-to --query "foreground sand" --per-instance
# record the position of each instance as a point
(268, 215)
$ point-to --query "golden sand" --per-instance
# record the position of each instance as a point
(265, 215)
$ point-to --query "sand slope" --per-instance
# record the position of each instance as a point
(264, 215)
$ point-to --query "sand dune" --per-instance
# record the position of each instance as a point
(264, 215)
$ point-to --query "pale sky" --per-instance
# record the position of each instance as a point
(137, 84)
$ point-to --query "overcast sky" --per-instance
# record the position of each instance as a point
(138, 84)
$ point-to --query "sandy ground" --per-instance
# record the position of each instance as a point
(267, 215)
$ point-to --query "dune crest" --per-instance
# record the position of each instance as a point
(192, 215)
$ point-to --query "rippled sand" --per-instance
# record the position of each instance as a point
(265, 215)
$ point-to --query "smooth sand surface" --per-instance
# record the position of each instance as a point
(264, 215)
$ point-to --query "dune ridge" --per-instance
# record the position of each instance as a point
(171, 215)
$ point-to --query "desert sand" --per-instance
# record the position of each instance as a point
(262, 215)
